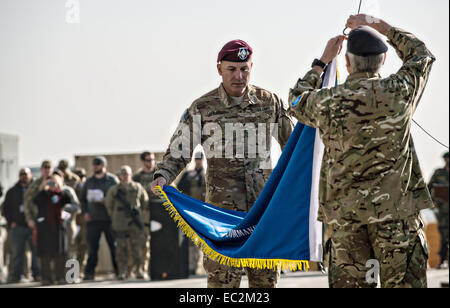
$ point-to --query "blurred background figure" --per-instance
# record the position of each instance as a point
(80, 231)
(70, 211)
(124, 202)
(144, 176)
(50, 202)
(30, 210)
(71, 179)
(96, 216)
(21, 234)
(439, 188)
(193, 183)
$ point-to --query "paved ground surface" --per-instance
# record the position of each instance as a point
(289, 280)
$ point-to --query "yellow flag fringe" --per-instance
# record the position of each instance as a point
(220, 258)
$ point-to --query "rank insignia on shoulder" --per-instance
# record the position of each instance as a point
(243, 53)
(298, 99)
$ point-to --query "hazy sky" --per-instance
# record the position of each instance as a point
(119, 80)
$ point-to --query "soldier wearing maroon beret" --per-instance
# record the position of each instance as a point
(232, 182)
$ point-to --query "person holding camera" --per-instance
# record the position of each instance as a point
(50, 202)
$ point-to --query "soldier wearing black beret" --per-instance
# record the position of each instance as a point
(371, 187)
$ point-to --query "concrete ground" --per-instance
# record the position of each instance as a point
(289, 280)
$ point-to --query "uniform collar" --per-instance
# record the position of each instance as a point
(249, 97)
(356, 76)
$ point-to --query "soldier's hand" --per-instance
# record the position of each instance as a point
(333, 48)
(354, 21)
(160, 181)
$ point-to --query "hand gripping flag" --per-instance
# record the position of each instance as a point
(281, 229)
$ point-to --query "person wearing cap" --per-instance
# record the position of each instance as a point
(125, 227)
(30, 209)
(371, 186)
(95, 214)
(144, 176)
(234, 179)
(438, 187)
(70, 178)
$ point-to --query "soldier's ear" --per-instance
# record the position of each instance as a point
(219, 69)
(347, 62)
(385, 56)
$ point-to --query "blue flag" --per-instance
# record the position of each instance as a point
(281, 229)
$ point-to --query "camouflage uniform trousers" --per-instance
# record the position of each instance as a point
(146, 250)
(221, 276)
(134, 237)
(398, 246)
(81, 246)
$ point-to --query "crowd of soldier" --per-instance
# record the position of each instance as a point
(62, 214)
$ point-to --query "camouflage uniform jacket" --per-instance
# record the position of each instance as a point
(134, 193)
(232, 181)
(71, 179)
(30, 208)
(145, 179)
(193, 183)
(370, 171)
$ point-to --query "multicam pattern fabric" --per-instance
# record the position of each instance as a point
(231, 182)
(370, 171)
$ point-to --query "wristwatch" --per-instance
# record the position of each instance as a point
(317, 62)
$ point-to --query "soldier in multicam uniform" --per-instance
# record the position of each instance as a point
(144, 176)
(233, 181)
(125, 227)
(193, 182)
(440, 180)
(371, 188)
(70, 179)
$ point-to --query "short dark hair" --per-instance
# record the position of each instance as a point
(144, 154)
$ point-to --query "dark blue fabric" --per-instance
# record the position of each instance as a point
(279, 219)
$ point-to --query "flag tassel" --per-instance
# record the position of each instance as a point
(220, 258)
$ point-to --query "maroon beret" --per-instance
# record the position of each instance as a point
(235, 51)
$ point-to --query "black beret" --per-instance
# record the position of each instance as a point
(365, 41)
(446, 155)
